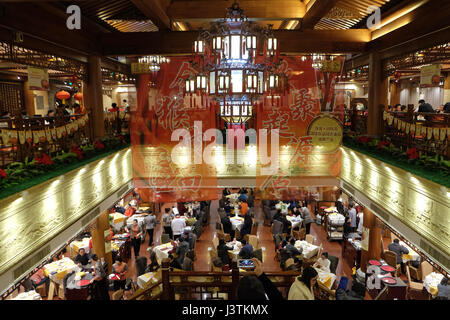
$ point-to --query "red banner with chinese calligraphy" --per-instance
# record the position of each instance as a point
(308, 118)
(167, 138)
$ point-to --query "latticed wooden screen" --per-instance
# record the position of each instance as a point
(11, 97)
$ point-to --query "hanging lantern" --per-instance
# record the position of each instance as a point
(201, 82)
(199, 46)
(223, 82)
(251, 42)
(190, 86)
(251, 83)
(78, 96)
(218, 43)
(63, 95)
(272, 46)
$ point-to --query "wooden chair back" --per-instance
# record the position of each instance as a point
(164, 238)
(391, 258)
(215, 242)
(253, 240)
(425, 268)
(117, 295)
(310, 238)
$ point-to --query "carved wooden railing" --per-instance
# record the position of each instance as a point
(195, 285)
(22, 138)
(428, 132)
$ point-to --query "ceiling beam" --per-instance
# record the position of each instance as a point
(197, 10)
(290, 42)
(430, 17)
(316, 10)
(153, 10)
(49, 31)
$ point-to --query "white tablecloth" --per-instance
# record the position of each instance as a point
(309, 250)
(145, 278)
(58, 269)
(138, 217)
(162, 251)
(30, 295)
(296, 221)
(83, 244)
(237, 223)
(336, 218)
(118, 220)
(432, 281)
(236, 248)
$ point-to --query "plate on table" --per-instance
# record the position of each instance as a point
(375, 263)
(388, 268)
(83, 283)
(389, 280)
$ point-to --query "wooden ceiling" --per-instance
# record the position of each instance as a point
(183, 15)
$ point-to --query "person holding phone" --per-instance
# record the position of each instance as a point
(258, 287)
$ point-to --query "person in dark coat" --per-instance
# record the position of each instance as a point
(247, 227)
(246, 251)
(227, 225)
(425, 107)
(399, 250)
(222, 252)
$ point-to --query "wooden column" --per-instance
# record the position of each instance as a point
(166, 290)
(29, 99)
(98, 238)
(93, 94)
(378, 96)
(234, 280)
(374, 249)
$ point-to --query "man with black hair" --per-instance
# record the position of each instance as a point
(167, 218)
(399, 250)
(246, 251)
(150, 223)
(425, 107)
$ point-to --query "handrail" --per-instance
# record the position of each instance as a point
(147, 292)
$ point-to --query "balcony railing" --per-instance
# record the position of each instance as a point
(197, 285)
(23, 138)
(427, 132)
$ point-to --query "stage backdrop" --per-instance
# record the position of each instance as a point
(308, 118)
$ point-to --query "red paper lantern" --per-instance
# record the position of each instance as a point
(63, 95)
(78, 96)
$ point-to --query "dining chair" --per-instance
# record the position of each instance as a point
(391, 259)
(426, 269)
(310, 238)
(164, 238)
(215, 242)
(117, 295)
(414, 288)
(253, 240)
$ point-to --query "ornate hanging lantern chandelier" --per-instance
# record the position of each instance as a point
(154, 62)
(236, 62)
